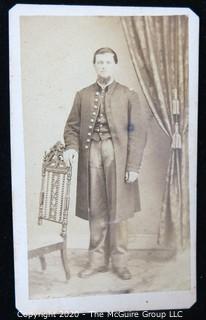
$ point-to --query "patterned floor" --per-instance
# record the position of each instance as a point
(152, 270)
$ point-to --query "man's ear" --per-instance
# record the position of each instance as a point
(116, 67)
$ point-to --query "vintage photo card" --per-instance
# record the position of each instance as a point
(104, 151)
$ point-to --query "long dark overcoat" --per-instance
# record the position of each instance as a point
(126, 122)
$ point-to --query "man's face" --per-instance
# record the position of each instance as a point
(105, 65)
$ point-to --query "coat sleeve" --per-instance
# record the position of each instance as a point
(137, 132)
(72, 127)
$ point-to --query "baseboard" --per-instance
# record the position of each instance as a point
(140, 241)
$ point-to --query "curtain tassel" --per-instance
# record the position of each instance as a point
(176, 138)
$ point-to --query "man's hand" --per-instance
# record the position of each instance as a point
(131, 176)
(70, 155)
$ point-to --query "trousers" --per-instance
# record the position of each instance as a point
(108, 238)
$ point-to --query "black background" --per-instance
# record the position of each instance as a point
(7, 300)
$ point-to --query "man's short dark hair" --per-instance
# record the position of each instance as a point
(105, 50)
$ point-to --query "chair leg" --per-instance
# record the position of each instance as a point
(65, 261)
(43, 262)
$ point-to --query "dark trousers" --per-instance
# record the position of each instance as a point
(108, 239)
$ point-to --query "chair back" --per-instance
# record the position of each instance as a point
(55, 188)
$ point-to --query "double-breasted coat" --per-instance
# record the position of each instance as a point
(126, 121)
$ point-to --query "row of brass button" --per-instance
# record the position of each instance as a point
(92, 120)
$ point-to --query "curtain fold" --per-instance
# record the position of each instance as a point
(158, 46)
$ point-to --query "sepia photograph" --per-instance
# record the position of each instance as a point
(104, 150)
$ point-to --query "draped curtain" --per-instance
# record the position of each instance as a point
(158, 46)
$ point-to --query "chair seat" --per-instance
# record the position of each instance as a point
(44, 237)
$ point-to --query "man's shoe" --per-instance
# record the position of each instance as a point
(89, 271)
(123, 273)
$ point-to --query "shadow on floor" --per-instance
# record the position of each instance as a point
(152, 270)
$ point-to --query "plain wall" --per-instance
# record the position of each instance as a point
(56, 55)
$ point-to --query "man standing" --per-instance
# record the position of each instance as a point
(106, 128)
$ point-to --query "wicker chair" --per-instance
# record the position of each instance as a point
(54, 204)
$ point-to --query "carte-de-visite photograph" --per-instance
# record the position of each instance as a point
(103, 144)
